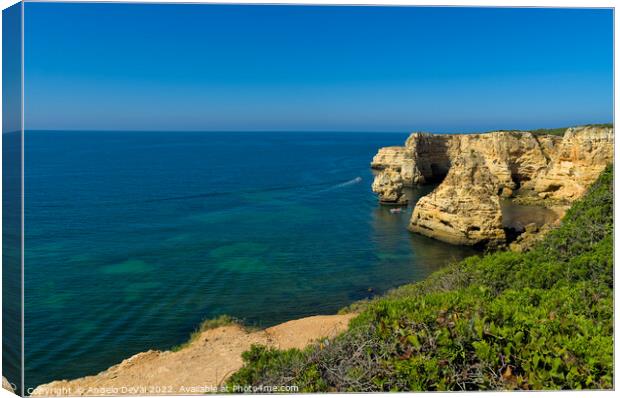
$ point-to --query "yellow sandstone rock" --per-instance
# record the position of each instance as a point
(463, 209)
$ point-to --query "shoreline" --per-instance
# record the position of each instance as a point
(201, 366)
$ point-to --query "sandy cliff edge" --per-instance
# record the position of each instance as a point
(200, 367)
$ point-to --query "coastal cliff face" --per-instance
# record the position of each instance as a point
(513, 157)
(580, 158)
(465, 208)
(532, 169)
(390, 156)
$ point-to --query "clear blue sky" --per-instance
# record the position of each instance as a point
(216, 67)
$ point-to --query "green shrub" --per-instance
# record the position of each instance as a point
(536, 320)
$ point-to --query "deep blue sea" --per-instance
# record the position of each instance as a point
(133, 238)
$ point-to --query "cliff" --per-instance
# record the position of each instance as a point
(580, 158)
(464, 209)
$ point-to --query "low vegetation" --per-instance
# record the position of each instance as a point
(222, 320)
(536, 320)
(559, 131)
(555, 131)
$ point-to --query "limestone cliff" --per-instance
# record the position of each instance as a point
(391, 156)
(581, 156)
(465, 208)
(513, 157)
(388, 184)
(536, 169)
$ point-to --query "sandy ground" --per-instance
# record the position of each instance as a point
(201, 367)
(7, 385)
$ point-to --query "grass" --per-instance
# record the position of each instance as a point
(536, 320)
(207, 324)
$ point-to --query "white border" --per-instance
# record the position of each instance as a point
(447, 3)
(477, 3)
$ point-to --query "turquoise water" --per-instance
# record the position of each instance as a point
(133, 238)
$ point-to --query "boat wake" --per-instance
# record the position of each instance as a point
(331, 185)
(350, 182)
(353, 181)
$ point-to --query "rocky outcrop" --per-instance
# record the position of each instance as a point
(581, 156)
(423, 159)
(388, 185)
(543, 169)
(531, 235)
(465, 208)
(391, 156)
(512, 157)
(551, 166)
(398, 159)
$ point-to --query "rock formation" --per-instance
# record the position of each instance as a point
(388, 184)
(539, 169)
(582, 155)
(465, 208)
(513, 157)
(530, 236)
(390, 156)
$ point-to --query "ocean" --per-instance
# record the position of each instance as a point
(133, 238)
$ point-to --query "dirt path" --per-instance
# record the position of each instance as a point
(199, 368)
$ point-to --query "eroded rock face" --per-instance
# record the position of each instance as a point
(465, 208)
(423, 159)
(512, 157)
(534, 169)
(551, 166)
(388, 185)
(430, 155)
(582, 155)
(391, 156)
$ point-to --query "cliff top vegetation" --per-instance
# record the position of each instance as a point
(559, 131)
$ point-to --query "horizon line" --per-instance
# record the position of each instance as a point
(301, 130)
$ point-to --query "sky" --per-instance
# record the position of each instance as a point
(11, 69)
(324, 68)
